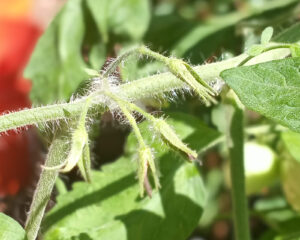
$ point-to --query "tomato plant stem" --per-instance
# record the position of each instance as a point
(42, 194)
(142, 88)
(236, 151)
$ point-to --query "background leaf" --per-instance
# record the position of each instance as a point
(207, 36)
(10, 229)
(56, 74)
(125, 18)
(289, 35)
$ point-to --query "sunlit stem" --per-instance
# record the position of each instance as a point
(248, 58)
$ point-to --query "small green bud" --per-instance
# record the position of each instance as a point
(146, 159)
(84, 164)
(170, 137)
(79, 140)
(79, 147)
(186, 73)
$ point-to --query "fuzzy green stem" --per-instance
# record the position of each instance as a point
(45, 186)
(143, 88)
(132, 106)
(113, 65)
(40, 114)
(148, 52)
(129, 117)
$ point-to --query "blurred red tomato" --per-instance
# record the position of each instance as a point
(18, 36)
(17, 40)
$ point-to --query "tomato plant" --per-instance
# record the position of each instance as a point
(189, 124)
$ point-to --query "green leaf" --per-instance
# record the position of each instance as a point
(204, 30)
(292, 143)
(266, 35)
(92, 72)
(270, 88)
(255, 50)
(214, 183)
(110, 207)
(289, 35)
(295, 50)
(169, 27)
(128, 18)
(56, 66)
(10, 229)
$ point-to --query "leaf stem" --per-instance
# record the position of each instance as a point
(113, 65)
(248, 58)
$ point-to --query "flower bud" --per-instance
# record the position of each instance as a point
(146, 159)
(84, 164)
(186, 73)
(79, 140)
(170, 137)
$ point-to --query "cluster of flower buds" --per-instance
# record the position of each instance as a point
(146, 158)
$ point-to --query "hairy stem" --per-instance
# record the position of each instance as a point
(45, 186)
(112, 67)
(129, 117)
(141, 88)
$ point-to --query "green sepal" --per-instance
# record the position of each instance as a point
(170, 137)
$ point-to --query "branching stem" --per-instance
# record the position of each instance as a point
(143, 88)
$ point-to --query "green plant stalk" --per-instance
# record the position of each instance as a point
(142, 88)
(42, 194)
(237, 172)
